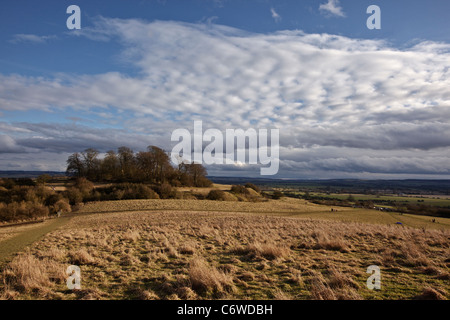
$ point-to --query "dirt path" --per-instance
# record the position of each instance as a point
(10, 246)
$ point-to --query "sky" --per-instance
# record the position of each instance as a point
(349, 102)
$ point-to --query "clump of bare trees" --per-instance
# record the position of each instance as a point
(150, 166)
(143, 175)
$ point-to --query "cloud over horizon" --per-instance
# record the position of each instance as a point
(344, 106)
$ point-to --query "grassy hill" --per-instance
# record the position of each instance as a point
(191, 249)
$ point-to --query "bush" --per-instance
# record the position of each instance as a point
(74, 195)
(166, 191)
(52, 199)
(186, 180)
(144, 192)
(30, 195)
(43, 179)
(118, 194)
(36, 210)
(84, 185)
(238, 189)
(96, 196)
(132, 191)
(22, 210)
(7, 183)
(216, 195)
(8, 211)
(28, 202)
(277, 194)
(24, 182)
(125, 191)
(252, 186)
(62, 206)
(203, 182)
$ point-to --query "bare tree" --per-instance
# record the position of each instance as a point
(127, 163)
(91, 163)
(75, 165)
(110, 166)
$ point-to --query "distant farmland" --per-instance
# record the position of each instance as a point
(441, 201)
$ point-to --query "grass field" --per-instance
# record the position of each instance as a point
(190, 249)
(288, 207)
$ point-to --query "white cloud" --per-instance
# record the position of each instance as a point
(275, 15)
(191, 68)
(7, 144)
(31, 38)
(347, 101)
(332, 7)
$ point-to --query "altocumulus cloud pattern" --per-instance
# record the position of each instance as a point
(345, 107)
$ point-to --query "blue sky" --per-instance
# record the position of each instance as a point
(350, 102)
(404, 22)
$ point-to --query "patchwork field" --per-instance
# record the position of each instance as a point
(190, 249)
(434, 200)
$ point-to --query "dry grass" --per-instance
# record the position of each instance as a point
(431, 294)
(163, 254)
(131, 235)
(81, 257)
(30, 275)
(207, 279)
(259, 250)
(285, 205)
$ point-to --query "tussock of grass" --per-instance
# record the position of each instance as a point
(26, 274)
(187, 249)
(268, 251)
(55, 254)
(320, 290)
(81, 257)
(341, 281)
(281, 295)
(207, 279)
(429, 293)
(326, 242)
(131, 235)
(186, 293)
(129, 260)
(89, 294)
(258, 250)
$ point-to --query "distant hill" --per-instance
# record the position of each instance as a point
(29, 174)
(411, 186)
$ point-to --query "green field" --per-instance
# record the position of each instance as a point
(20, 240)
(437, 201)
